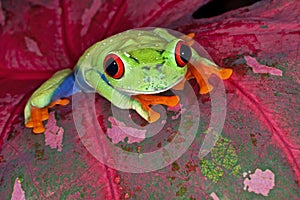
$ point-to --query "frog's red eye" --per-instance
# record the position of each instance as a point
(113, 66)
(183, 54)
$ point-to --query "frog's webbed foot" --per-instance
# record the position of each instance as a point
(202, 73)
(38, 115)
(145, 100)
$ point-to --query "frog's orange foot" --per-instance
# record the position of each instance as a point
(202, 73)
(38, 115)
(147, 99)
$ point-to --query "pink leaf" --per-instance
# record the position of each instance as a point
(259, 68)
(178, 109)
(53, 133)
(174, 108)
(214, 196)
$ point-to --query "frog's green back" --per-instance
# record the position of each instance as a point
(148, 57)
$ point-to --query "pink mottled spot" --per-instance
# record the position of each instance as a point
(260, 182)
(214, 196)
(119, 131)
(174, 108)
(127, 196)
(178, 109)
(18, 193)
(259, 68)
(53, 133)
(32, 46)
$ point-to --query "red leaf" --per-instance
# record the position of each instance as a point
(40, 37)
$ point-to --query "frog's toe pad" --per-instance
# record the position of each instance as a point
(153, 116)
(225, 73)
(62, 102)
(39, 129)
(206, 88)
(29, 124)
(172, 101)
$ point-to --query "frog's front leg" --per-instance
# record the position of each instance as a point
(139, 103)
(149, 99)
(46, 96)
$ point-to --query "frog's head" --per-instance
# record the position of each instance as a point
(148, 69)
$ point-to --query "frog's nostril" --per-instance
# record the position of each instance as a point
(146, 68)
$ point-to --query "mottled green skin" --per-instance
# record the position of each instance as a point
(141, 52)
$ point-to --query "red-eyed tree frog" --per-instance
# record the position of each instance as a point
(133, 66)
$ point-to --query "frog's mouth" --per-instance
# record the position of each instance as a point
(155, 89)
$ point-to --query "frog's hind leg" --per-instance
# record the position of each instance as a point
(46, 96)
(203, 69)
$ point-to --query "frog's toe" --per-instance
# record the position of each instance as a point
(39, 129)
(44, 114)
(62, 102)
(38, 115)
(36, 119)
(204, 89)
(29, 124)
(153, 116)
(172, 101)
(225, 73)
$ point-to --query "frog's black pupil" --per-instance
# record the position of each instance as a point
(111, 67)
(185, 53)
